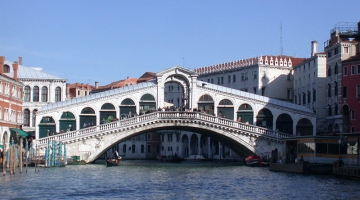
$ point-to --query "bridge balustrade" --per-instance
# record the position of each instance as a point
(169, 115)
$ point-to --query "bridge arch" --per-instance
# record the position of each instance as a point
(67, 121)
(206, 103)
(226, 109)
(264, 118)
(147, 103)
(107, 113)
(87, 117)
(127, 108)
(47, 126)
(284, 123)
(304, 127)
(245, 113)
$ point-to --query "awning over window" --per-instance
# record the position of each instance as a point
(20, 132)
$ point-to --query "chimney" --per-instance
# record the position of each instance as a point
(2, 62)
(20, 60)
(314, 47)
(15, 68)
(96, 85)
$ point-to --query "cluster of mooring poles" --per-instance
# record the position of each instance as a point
(55, 154)
(16, 156)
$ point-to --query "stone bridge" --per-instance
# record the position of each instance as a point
(92, 142)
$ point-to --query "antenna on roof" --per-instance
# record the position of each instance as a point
(281, 48)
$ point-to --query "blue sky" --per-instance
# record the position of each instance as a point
(108, 40)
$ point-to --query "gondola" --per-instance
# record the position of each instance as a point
(110, 162)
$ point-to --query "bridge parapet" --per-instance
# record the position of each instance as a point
(156, 117)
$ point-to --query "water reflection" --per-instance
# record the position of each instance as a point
(153, 180)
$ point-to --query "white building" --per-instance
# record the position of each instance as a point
(268, 76)
(310, 85)
(40, 89)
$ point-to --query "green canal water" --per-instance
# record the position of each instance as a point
(157, 180)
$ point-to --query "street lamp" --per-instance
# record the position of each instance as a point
(69, 127)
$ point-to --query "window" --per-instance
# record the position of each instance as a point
(329, 90)
(288, 93)
(133, 148)
(124, 148)
(358, 91)
(148, 136)
(352, 114)
(329, 54)
(344, 94)
(78, 92)
(242, 76)
(6, 69)
(336, 69)
(169, 137)
(358, 69)
(229, 79)
(142, 148)
(345, 71)
(255, 74)
(44, 94)
(27, 94)
(234, 77)
(149, 148)
(329, 110)
(57, 94)
(26, 117)
(336, 109)
(218, 80)
(314, 95)
(346, 49)
(36, 94)
(222, 80)
(329, 71)
(352, 70)
(304, 98)
(309, 97)
(336, 89)
(255, 89)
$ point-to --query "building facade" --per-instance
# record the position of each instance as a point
(268, 76)
(40, 89)
(351, 92)
(11, 103)
(310, 85)
(342, 45)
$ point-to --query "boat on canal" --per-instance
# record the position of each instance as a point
(256, 161)
(110, 162)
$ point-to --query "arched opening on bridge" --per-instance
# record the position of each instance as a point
(346, 119)
(176, 91)
(127, 108)
(173, 95)
(87, 117)
(107, 113)
(245, 114)
(206, 104)
(304, 127)
(67, 122)
(284, 123)
(47, 127)
(147, 104)
(194, 145)
(185, 147)
(226, 109)
(264, 118)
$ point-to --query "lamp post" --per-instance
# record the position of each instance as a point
(69, 127)
(48, 132)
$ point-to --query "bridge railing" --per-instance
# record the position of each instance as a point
(78, 134)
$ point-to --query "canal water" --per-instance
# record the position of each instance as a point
(157, 180)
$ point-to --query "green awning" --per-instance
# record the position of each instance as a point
(20, 132)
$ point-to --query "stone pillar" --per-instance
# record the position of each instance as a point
(209, 147)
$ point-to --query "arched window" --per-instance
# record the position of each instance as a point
(57, 94)
(35, 94)
(27, 94)
(133, 148)
(44, 94)
(6, 69)
(26, 117)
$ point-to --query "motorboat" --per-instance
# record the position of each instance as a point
(255, 160)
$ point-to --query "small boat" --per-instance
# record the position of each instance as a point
(110, 162)
(174, 159)
(255, 160)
